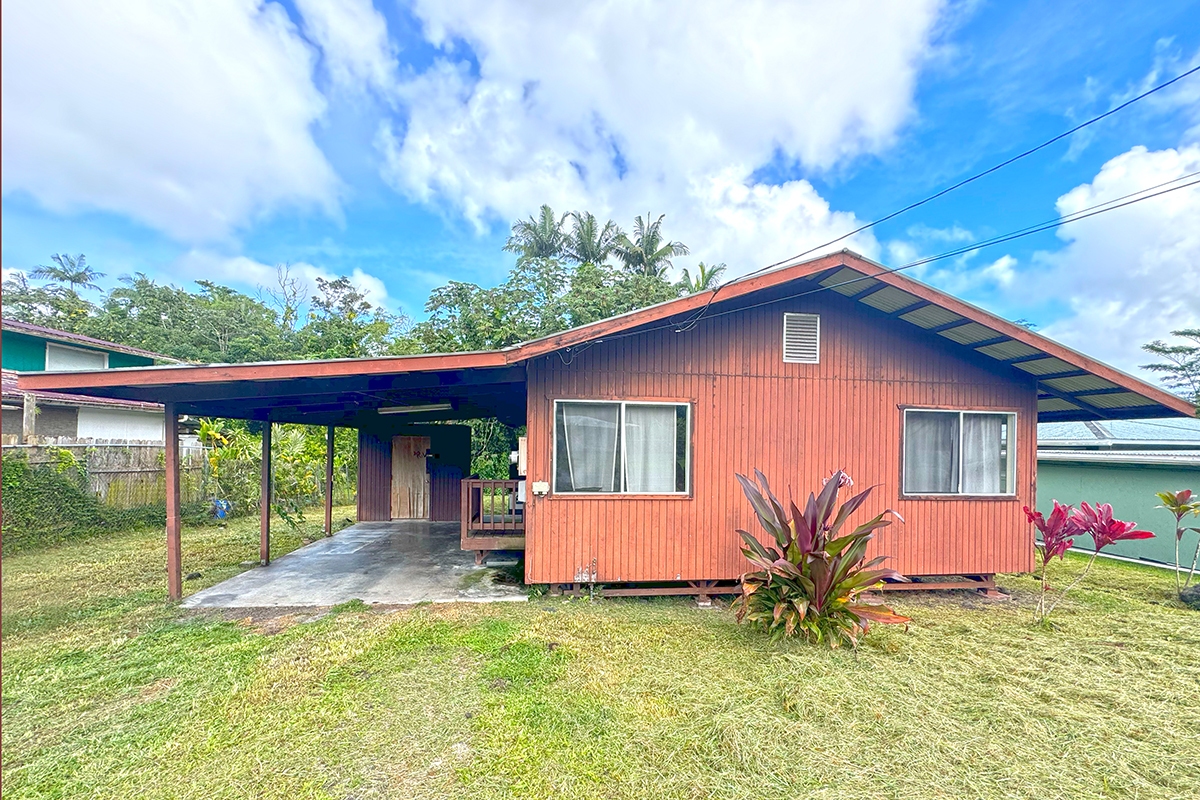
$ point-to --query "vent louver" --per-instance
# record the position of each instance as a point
(801, 338)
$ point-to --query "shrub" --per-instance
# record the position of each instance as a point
(812, 584)
(1181, 504)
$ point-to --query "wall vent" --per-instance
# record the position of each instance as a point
(801, 338)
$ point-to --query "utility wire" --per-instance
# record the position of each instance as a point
(692, 323)
(1083, 213)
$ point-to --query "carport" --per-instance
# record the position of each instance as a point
(380, 397)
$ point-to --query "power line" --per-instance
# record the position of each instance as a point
(948, 189)
(1084, 213)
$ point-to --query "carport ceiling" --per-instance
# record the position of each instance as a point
(351, 400)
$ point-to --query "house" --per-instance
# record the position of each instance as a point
(1124, 463)
(25, 414)
(637, 424)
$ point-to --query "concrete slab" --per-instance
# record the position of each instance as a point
(384, 563)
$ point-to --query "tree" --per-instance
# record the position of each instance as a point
(72, 271)
(647, 253)
(588, 243)
(342, 323)
(538, 237)
(707, 278)
(1181, 373)
(53, 306)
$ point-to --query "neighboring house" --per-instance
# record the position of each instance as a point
(1124, 463)
(637, 424)
(33, 348)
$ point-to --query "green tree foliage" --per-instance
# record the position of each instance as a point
(647, 253)
(542, 236)
(342, 323)
(707, 278)
(588, 241)
(1181, 372)
(71, 270)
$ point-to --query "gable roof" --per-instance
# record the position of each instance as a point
(53, 334)
(1071, 386)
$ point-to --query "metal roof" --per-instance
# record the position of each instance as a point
(29, 329)
(1070, 385)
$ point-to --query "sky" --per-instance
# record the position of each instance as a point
(397, 142)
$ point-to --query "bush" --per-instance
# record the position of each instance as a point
(812, 585)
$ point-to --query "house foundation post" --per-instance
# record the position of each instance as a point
(28, 418)
(329, 481)
(264, 503)
(171, 468)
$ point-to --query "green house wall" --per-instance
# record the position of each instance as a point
(1130, 489)
(28, 353)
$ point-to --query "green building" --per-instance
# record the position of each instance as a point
(1124, 463)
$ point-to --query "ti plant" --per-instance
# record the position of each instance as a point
(811, 583)
(1098, 522)
(1181, 504)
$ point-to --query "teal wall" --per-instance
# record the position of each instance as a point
(28, 353)
(18, 351)
(1130, 489)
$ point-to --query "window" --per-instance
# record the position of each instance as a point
(959, 452)
(617, 447)
(801, 338)
(60, 358)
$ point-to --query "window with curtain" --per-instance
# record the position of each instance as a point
(958, 452)
(608, 447)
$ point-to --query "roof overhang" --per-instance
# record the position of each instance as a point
(1070, 386)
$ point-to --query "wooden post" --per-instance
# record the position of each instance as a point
(329, 481)
(171, 466)
(264, 543)
(29, 419)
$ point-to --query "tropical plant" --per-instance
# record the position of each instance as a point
(707, 278)
(1097, 522)
(811, 583)
(538, 237)
(588, 242)
(647, 252)
(1056, 540)
(72, 271)
(1181, 504)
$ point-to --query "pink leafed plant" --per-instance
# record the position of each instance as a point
(1058, 534)
(1181, 504)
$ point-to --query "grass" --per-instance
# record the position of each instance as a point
(110, 692)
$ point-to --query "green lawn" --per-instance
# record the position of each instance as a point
(110, 692)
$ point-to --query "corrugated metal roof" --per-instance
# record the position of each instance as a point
(54, 334)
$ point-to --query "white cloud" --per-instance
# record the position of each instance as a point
(1129, 276)
(192, 118)
(202, 264)
(354, 42)
(625, 108)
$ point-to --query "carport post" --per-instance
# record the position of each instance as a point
(171, 468)
(329, 481)
(264, 503)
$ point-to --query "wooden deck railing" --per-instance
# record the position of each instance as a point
(492, 519)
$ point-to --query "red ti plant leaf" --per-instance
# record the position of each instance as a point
(1104, 529)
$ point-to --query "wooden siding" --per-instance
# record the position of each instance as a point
(795, 422)
(374, 477)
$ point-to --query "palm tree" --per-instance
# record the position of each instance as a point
(707, 278)
(588, 243)
(72, 271)
(540, 237)
(647, 253)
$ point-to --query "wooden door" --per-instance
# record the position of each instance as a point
(410, 479)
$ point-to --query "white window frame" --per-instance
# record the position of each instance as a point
(783, 338)
(58, 346)
(687, 468)
(1011, 477)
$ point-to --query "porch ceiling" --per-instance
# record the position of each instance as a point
(347, 399)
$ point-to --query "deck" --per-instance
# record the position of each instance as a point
(492, 517)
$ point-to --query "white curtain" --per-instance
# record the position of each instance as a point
(591, 439)
(983, 460)
(650, 448)
(930, 452)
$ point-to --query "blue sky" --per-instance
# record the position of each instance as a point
(397, 142)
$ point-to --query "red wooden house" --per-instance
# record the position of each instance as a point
(637, 424)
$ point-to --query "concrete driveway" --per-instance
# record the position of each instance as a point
(401, 562)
